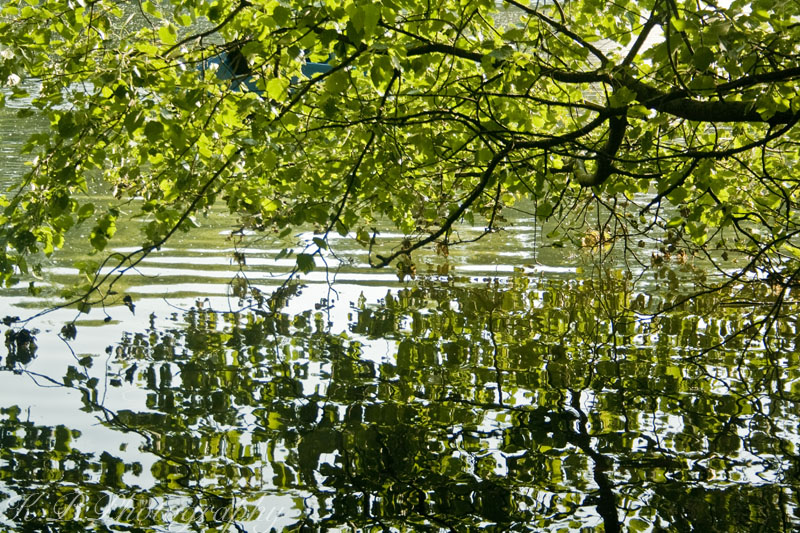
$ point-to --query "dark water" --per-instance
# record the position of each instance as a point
(509, 387)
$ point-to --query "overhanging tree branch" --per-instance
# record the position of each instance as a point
(486, 178)
(678, 105)
(562, 29)
(675, 103)
(605, 157)
(354, 172)
(235, 11)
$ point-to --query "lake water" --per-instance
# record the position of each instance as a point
(511, 386)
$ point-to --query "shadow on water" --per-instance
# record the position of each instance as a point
(524, 403)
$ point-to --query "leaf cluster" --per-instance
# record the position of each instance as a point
(428, 116)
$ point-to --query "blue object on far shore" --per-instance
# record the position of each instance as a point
(233, 66)
(310, 69)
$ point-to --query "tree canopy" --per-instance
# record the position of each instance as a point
(675, 119)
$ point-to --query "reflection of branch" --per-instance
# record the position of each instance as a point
(495, 351)
(561, 421)
(764, 324)
(112, 419)
(607, 504)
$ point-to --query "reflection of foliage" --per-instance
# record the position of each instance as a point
(41, 457)
(21, 346)
(521, 404)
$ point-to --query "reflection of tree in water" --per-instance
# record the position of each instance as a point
(523, 405)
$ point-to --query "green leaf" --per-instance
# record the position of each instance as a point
(362, 236)
(277, 88)
(67, 127)
(544, 209)
(703, 57)
(133, 121)
(305, 262)
(504, 52)
(678, 24)
(85, 211)
(149, 8)
(622, 97)
(675, 222)
(153, 130)
(381, 72)
(281, 15)
(167, 34)
(372, 13)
